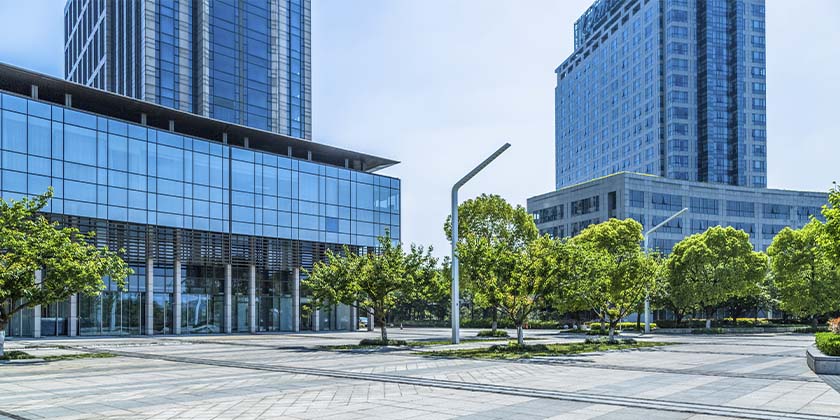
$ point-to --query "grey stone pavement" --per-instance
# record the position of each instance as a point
(761, 376)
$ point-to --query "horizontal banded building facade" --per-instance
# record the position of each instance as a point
(649, 199)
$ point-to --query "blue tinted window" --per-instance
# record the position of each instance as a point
(39, 136)
(80, 145)
(170, 162)
(308, 187)
(14, 131)
(242, 176)
(117, 152)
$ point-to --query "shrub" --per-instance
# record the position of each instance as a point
(490, 333)
(506, 323)
(834, 325)
(621, 325)
(379, 342)
(828, 343)
(604, 340)
(16, 355)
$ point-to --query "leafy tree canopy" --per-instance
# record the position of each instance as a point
(621, 273)
(67, 259)
(707, 269)
(380, 279)
(805, 275)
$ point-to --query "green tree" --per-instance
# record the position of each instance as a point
(830, 239)
(533, 274)
(710, 268)
(805, 276)
(68, 262)
(677, 295)
(621, 274)
(380, 280)
(505, 228)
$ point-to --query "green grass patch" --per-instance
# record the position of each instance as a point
(513, 351)
(75, 356)
(491, 333)
(16, 355)
(708, 331)
(370, 344)
(828, 343)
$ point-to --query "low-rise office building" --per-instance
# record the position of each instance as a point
(650, 199)
(217, 219)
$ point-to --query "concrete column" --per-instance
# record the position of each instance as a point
(150, 296)
(252, 299)
(371, 322)
(354, 319)
(316, 320)
(73, 319)
(36, 311)
(296, 299)
(176, 296)
(228, 297)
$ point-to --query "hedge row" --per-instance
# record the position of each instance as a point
(828, 343)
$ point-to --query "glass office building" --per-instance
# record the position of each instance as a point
(674, 88)
(246, 62)
(216, 219)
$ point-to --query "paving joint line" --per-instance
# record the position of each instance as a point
(634, 402)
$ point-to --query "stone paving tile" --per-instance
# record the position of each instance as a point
(142, 388)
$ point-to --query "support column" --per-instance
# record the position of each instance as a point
(252, 299)
(228, 297)
(316, 320)
(371, 321)
(150, 296)
(296, 299)
(36, 311)
(354, 319)
(73, 319)
(176, 296)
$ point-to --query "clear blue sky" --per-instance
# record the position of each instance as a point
(439, 84)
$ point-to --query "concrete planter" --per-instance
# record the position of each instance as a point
(822, 364)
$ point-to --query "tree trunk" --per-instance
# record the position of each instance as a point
(520, 335)
(638, 321)
(612, 333)
(678, 316)
(384, 334)
(3, 322)
(495, 324)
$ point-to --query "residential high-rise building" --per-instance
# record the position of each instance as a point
(242, 61)
(674, 88)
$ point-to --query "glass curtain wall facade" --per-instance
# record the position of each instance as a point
(674, 88)
(186, 210)
(246, 62)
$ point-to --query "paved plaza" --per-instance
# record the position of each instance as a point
(761, 376)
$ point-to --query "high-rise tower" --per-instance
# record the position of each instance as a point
(674, 88)
(242, 61)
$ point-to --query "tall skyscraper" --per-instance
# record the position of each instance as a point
(242, 61)
(674, 88)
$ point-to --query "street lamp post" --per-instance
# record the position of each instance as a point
(646, 236)
(456, 301)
